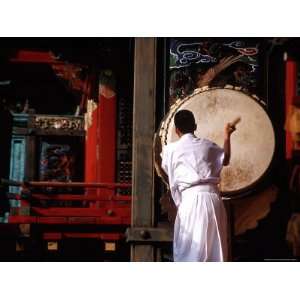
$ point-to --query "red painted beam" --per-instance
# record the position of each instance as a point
(71, 197)
(82, 220)
(83, 212)
(51, 220)
(80, 235)
(25, 56)
(52, 236)
(99, 185)
(69, 220)
(21, 219)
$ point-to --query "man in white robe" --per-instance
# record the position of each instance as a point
(193, 166)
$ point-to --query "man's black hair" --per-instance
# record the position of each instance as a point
(184, 121)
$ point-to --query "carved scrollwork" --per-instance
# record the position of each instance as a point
(58, 123)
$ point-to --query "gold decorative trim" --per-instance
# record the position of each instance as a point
(58, 122)
(88, 116)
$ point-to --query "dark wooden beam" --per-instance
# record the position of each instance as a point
(143, 130)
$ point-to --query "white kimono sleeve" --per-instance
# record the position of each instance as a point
(164, 161)
(219, 156)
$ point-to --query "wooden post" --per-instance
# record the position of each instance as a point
(143, 130)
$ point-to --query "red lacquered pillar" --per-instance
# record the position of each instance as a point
(290, 93)
(100, 157)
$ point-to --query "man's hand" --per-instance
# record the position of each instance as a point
(229, 129)
(157, 160)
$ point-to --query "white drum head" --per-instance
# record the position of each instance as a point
(252, 144)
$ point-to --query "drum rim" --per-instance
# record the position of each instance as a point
(180, 102)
